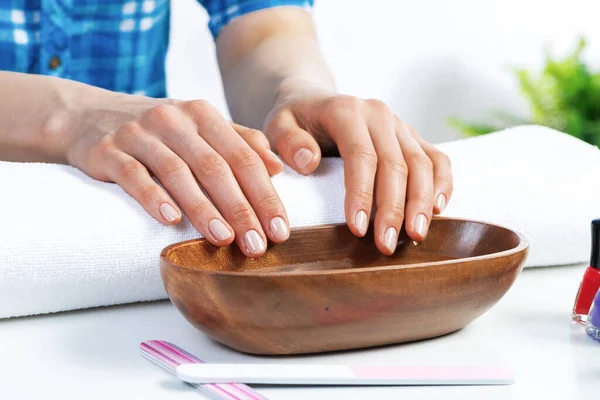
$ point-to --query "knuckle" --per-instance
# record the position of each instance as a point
(95, 158)
(171, 166)
(129, 169)
(213, 166)
(394, 210)
(130, 131)
(286, 139)
(147, 194)
(241, 214)
(362, 195)
(379, 106)
(343, 105)
(422, 161)
(269, 201)
(200, 108)
(163, 115)
(103, 148)
(393, 163)
(365, 154)
(198, 209)
(254, 135)
(349, 102)
(246, 158)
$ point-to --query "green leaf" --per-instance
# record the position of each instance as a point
(564, 95)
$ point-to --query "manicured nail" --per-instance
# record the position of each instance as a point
(421, 225)
(361, 222)
(440, 202)
(390, 239)
(254, 243)
(303, 157)
(168, 212)
(218, 229)
(279, 229)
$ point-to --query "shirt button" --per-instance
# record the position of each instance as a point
(54, 63)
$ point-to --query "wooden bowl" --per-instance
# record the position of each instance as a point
(325, 289)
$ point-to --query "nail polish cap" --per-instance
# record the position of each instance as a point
(595, 256)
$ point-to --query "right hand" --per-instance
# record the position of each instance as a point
(194, 152)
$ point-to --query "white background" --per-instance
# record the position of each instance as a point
(428, 59)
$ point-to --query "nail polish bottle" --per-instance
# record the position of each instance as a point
(591, 279)
(593, 323)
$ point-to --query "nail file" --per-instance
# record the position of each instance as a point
(168, 356)
(302, 374)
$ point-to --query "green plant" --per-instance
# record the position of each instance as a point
(564, 96)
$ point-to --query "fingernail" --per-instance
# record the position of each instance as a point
(361, 222)
(303, 157)
(168, 212)
(440, 202)
(421, 225)
(279, 229)
(254, 243)
(218, 229)
(390, 239)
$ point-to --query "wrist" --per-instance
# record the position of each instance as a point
(293, 87)
(93, 109)
(63, 122)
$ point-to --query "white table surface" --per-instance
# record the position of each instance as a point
(94, 354)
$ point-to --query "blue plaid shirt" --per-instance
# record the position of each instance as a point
(120, 45)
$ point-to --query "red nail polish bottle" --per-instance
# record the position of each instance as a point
(591, 279)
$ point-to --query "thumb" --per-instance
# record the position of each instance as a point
(297, 147)
(259, 143)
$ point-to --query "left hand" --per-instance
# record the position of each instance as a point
(383, 156)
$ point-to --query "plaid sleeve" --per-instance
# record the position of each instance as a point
(223, 11)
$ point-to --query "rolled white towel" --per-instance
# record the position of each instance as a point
(69, 242)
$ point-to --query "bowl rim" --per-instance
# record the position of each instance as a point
(523, 245)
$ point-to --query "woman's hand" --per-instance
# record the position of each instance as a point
(384, 159)
(195, 154)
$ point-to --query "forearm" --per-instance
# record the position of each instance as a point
(269, 64)
(37, 114)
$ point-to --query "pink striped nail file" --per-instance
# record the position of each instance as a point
(303, 374)
(168, 356)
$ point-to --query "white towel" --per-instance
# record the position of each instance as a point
(69, 242)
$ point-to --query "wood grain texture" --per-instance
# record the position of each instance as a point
(325, 289)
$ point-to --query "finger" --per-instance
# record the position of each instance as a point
(134, 178)
(176, 177)
(231, 193)
(248, 169)
(391, 177)
(180, 133)
(296, 146)
(419, 192)
(344, 122)
(259, 143)
(442, 173)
